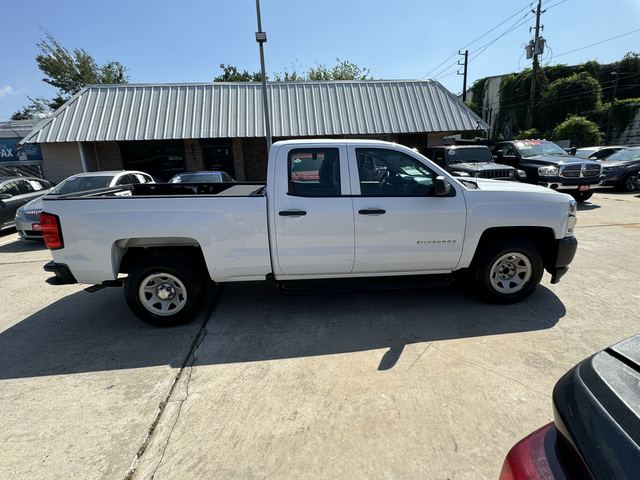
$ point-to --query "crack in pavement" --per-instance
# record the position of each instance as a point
(487, 369)
(187, 366)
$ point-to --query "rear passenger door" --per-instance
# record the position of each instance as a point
(313, 211)
(400, 226)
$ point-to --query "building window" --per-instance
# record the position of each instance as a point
(160, 159)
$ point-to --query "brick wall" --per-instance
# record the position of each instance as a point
(108, 156)
(255, 158)
(238, 159)
(193, 155)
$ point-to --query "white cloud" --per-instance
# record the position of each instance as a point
(6, 90)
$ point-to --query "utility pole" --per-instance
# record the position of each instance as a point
(536, 47)
(261, 38)
(464, 73)
(613, 103)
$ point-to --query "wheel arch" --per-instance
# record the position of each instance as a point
(543, 238)
(127, 253)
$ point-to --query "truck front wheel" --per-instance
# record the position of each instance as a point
(164, 291)
(508, 271)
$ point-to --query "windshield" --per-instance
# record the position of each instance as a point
(80, 184)
(473, 155)
(530, 148)
(626, 154)
(213, 177)
(584, 152)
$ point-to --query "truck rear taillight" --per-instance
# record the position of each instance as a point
(539, 456)
(51, 231)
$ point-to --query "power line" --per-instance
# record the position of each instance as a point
(437, 67)
(445, 72)
(598, 43)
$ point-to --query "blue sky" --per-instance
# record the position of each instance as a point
(185, 41)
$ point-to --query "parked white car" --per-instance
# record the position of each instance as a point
(27, 218)
(329, 209)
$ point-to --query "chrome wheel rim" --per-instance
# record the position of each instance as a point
(510, 273)
(162, 294)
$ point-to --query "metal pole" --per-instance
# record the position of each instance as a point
(613, 103)
(464, 81)
(261, 38)
(534, 73)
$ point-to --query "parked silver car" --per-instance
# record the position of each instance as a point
(27, 219)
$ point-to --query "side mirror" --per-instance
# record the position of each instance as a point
(442, 186)
(498, 154)
(573, 151)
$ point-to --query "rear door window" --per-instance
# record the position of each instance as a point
(314, 172)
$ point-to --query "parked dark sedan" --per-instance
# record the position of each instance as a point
(15, 192)
(596, 428)
(621, 169)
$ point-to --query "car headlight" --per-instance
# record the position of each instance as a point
(522, 174)
(548, 171)
(572, 217)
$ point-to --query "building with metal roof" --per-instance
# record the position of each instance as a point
(167, 128)
(16, 157)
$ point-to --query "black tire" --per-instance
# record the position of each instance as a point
(629, 183)
(177, 270)
(582, 196)
(490, 254)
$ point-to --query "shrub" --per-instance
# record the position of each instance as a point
(579, 131)
(529, 133)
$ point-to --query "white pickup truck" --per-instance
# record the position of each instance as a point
(329, 209)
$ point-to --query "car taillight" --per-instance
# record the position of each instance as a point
(536, 457)
(51, 231)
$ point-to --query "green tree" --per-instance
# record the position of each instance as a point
(68, 71)
(342, 70)
(231, 73)
(577, 94)
(37, 108)
(528, 134)
(579, 131)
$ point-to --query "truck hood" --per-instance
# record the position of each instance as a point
(618, 163)
(557, 160)
(502, 186)
(479, 166)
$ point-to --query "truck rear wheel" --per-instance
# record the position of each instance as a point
(164, 290)
(508, 271)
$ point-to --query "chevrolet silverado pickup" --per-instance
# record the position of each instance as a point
(548, 165)
(329, 209)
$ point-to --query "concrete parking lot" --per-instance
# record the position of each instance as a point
(395, 384)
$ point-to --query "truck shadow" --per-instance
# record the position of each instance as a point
(20, 246)
(251, 322)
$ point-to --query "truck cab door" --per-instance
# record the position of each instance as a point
(312, 211)
(401, 226)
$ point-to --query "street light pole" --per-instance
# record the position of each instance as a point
(613, 104)
(261, 38)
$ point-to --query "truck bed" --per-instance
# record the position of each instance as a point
(174, 189)
(227, 221)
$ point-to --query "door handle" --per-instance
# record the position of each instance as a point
(372, 211)
(292, 213)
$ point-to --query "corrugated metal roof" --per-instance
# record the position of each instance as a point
(17, 128)
(228, 110)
